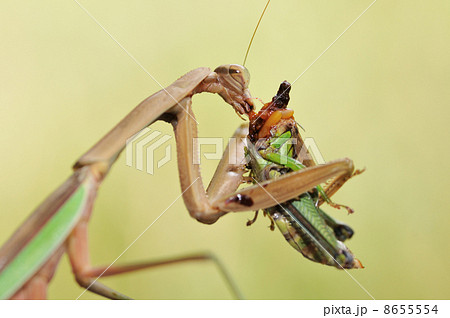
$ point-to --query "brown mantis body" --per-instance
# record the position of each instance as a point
(173, 105)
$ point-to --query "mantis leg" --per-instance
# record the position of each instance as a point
(87, 276)
(332, 186)
(228, 175)
(335, 184)
(208, 209)
(341, 230)
(272, 192)
(36, 287)
(77, 249)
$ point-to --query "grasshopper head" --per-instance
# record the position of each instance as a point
(232, 85)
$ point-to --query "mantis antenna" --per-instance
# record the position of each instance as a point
(254, 32)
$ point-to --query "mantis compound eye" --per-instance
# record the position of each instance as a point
(236, 76)
(232, 84)
(240, 74)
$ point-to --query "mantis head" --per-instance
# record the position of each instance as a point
(231, 82)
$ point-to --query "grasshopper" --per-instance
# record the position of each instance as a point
(274, 150)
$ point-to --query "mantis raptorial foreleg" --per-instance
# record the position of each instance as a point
(208, 209)
(332, 186)
(228, 175)
(273, 192)
(335, 184)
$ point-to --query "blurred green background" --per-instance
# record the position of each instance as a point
(380, 96)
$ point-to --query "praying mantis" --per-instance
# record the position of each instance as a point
(29, 258)
(78, 192)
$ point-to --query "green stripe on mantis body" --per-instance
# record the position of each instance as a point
(44, 244)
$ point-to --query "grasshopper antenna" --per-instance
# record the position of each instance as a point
(254, 32)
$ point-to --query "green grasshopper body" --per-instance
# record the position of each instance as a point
(304, 225)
